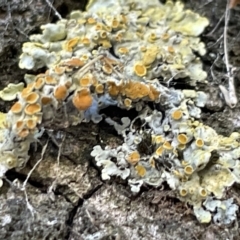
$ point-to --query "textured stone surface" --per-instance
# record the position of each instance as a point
(67, 172)
(113, 214)
(46, 220)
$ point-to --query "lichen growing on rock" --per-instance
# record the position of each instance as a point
(124, 54)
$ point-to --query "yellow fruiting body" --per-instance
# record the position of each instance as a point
(203, 193)
(133, 157)
(182, 139)
(17, 107)
(85, 81)
(31, 124)
(107, 69)
(19, 125)
(183, 192)
(177, 115)
(28, 89)
(160, 151)
(167, 145)
(199, 142)
(46, 100)
(140, 70)
(82, 100)
(141, 170)
(32, 97)
(70, 44)
(60, 92)
(59, 70)
(31, 109)
(188, 170)
(38, 83)
(159, 139)
(123, 50)
(99, 88)
(23, 133)
(51, 80)
(127, 102)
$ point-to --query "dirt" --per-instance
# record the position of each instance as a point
(69, 199)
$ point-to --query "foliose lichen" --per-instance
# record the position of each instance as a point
(124, 54)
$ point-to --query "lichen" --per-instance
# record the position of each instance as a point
(125, 54)
(10, 92)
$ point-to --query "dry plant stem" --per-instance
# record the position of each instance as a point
(29, 206)
(111, 66)
(230, 94)
(34, 167)
(54, 9)
(217, 25)
(53, 185)
(219, 39)
(82, 71)
(227, 16)
(212, 68)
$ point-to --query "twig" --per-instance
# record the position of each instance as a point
(34, 167)
(230, 94)
(211, 68)
(53, 185)
(218, 40)
(54, 9)
(111, 66)
(216, 26)
(29, 206)
(227, 16)
(82, 71)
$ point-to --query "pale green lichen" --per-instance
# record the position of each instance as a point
(10, 92)
(165, 33)
(2, 120)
